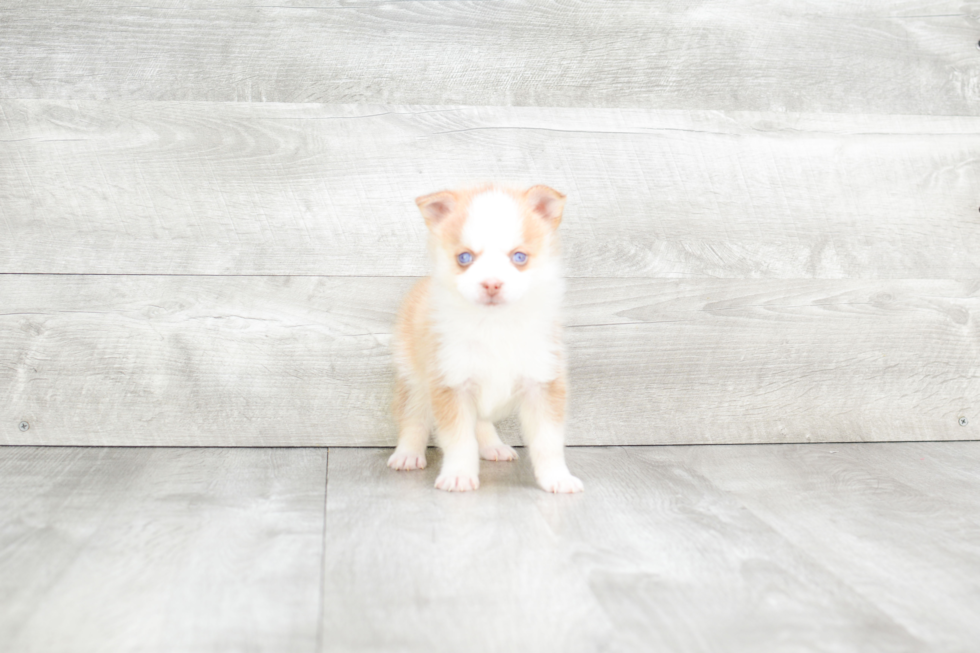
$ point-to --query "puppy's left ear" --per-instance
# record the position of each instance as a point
(546, 203)
(436, 207)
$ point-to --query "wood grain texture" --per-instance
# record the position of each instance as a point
(657, 555)
(900, 522)
(894, 57)
(160, 549)
(178, 188)
(298, 361)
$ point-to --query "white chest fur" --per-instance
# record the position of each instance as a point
(492, 351)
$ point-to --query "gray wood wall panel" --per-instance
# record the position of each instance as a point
(176, 360)
(134, 549)
(768, 205)
(850, 548)
(895, 57)
(213, 188)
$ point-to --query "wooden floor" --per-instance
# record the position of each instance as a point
(813, 547)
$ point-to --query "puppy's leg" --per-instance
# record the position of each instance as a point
(414, 423)
(542, 418)
(491, 446)
(455, 432)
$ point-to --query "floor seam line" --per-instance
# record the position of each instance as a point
(323, 557)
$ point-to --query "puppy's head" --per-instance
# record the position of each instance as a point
(493, 244)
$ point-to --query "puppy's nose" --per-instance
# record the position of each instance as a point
(492, 286)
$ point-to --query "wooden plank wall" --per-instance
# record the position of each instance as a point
(206, 216)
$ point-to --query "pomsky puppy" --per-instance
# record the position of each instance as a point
(481, 337)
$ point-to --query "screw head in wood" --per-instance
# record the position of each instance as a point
(964, 421)
(23, 426)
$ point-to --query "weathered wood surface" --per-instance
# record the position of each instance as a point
(901, 523)
(160, 549)
(841, 548)
(298, 361)
(677, 549)
(874, 57)
(212, 188)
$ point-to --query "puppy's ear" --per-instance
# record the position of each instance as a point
(436, 207)
(546, 203)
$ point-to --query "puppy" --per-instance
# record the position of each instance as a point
(481, 337)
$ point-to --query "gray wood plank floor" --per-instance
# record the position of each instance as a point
(859, 547)
(160, 549)
(658, 555)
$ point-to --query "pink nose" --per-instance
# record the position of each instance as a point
(492, 286)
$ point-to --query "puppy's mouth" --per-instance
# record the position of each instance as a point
(492, 301)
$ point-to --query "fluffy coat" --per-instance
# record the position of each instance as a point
(481, 337)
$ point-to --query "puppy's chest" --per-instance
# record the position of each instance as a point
(496, 358)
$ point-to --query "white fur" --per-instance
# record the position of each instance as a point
(497, 349)
(494, 221)
(492, 231)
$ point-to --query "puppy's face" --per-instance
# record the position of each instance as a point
(493, 244)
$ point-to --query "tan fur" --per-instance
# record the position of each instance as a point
(445, 405)
(555, 392)
(535, 201)
(412, 328)
(416, 336)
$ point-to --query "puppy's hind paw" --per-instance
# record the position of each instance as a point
(498, 452)
(406, 460)
(457, 482)
(563, 483)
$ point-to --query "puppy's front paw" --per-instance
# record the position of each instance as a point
(451, 481)
(560, 483)
(406, 460)
(498, 452)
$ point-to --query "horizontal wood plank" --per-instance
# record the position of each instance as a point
(678, 549)
(297, 361)
(213, 188)
(137, 549)
(899, 522)
(895, 57)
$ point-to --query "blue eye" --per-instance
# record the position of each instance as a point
(464, 259)
(520, 258)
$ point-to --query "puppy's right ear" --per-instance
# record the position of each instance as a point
(436, 207)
